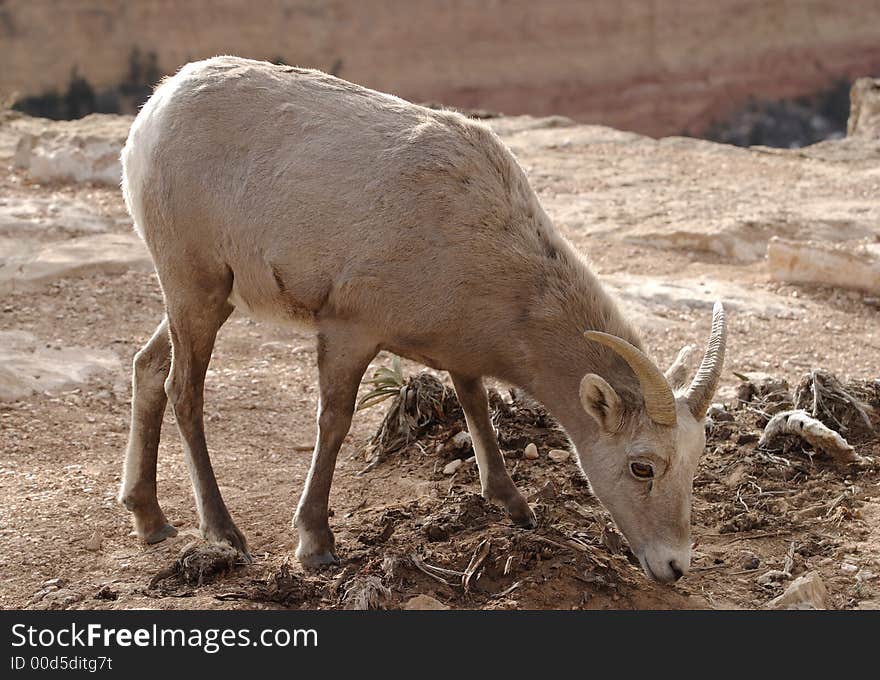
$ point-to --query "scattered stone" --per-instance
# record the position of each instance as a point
(772, 577)
(40, 594)
(424, 603)
(751, 563)
(719, 414)
(865, 575)
(452, 467)
(805, 592)
(106, 593)
(531, 452)
(848, 568)
(460, 441)
(558, 455)
(61, 598)
(93, 542)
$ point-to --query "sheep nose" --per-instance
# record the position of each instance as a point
(676, 571)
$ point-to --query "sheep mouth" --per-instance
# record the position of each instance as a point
(651, 574)
(647, 568)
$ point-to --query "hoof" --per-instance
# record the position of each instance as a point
(517, 508)
(317, 549)
(528, 521)
(160, 534)
(316, 561)
(150, 524)
(229, 535)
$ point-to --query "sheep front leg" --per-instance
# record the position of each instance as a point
(342, 360)
(495, 481)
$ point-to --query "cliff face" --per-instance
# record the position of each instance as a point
(654, 67)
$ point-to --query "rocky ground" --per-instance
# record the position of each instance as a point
(670, 225)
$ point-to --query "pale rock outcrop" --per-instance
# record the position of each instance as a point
(712, 201)
(855, 266)
(83, 150)
(34, 265)
(28, 365)
(38, 217)
(651, 300)
(809, 214)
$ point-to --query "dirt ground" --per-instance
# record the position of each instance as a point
(66, 543)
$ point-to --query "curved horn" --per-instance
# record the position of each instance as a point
(659, 400)
(699, 394)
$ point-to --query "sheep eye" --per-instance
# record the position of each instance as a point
(642, 470)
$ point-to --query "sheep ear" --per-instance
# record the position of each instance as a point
(601, 401)
(677, 374)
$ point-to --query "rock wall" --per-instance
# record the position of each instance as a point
(864, 117)
(654, 67)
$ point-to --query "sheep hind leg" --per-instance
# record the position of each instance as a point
(148, 400)
(343, 357)
(195, 315)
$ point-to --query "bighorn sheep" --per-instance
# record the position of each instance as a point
(382, 225)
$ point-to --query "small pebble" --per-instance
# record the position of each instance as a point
(461, 441)
(558, 455)
(424, 603)
(718, 413)
(848, 568)
(865, 575)
(751, 563)
(106, 593)
(451, 467)
(772, 577)
(531, 452)
(93, 542)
